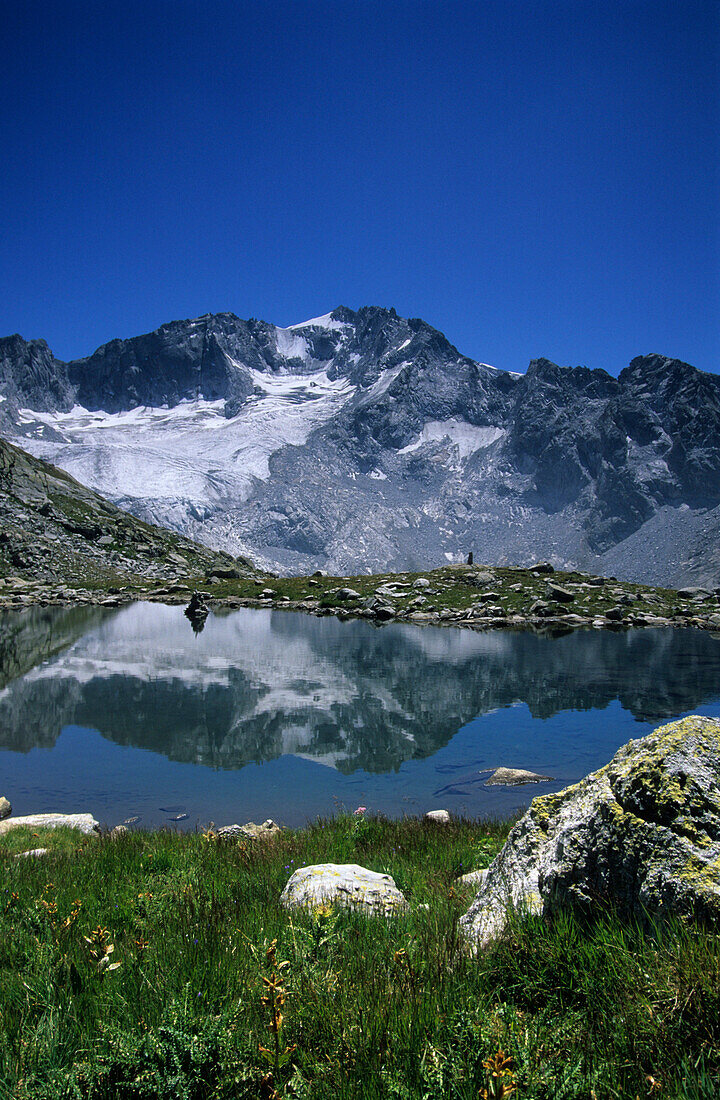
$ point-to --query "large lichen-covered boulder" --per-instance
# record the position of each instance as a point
(344, 884)
(642, 833)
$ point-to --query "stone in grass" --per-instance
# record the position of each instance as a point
(249, 831)
(642, 833)
(5, 807)
(343, 884)
(438, 817)
(562, 595)
(32, 853)
(86, 823)
(514, 777)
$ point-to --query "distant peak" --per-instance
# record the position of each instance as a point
(337, 318)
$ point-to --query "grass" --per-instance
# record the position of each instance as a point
(514, 590)
(351, 1006)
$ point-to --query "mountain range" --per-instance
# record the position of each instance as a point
(362, 441)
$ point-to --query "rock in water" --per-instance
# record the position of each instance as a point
(643, 832)
(514, 777)
(5, 807)
(343, 884)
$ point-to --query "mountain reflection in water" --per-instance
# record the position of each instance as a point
(258, 685)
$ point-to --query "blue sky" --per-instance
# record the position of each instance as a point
(532, 178)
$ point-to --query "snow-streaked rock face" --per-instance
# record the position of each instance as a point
(643, 833)
(360, 440)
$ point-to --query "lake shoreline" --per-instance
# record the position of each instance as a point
(538, 598)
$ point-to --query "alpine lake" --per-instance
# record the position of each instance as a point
(132, 716)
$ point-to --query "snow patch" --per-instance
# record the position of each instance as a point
(290, 345)
(191, 454)
(326, 321)
(468, 438)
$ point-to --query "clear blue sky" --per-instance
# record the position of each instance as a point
(532, 178)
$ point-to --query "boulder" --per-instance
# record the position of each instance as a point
(86, 823)
(5, 807)
(562, 595)
(514, 777)
(249, 831)
(421, 582)
(642, 833)
(343, 884)
(473, 878)
(438, 817)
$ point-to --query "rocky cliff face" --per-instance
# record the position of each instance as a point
(54, 529)
(365, 441)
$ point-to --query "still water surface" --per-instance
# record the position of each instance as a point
(277, 714)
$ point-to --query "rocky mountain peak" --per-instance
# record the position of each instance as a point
(363, 440)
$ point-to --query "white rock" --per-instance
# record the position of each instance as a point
(32, 853)
(343, 884)
(474, 878)
(86, 823)
(439, 817)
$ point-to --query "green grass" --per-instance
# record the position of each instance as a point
(373, 1008)
(450, 590)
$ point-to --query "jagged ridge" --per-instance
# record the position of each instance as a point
(362, 440)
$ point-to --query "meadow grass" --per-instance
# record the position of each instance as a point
(351, 1006)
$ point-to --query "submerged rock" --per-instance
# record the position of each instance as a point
(642, 833)
(514, 777)
(86, 823)
(343, 884)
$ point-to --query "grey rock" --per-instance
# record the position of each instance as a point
(384, 613)
(557, 592)
(250, 831)
(5, 807)
(642, 832)
(514, 777)
(118, 831)
(347, 594)
(344, 884)
(615, 614)
(474, 878)
(86, 823)
(421, 582)
(32, 853)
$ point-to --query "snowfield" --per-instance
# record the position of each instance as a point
(191, 453)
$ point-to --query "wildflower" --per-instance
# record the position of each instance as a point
(360, 811)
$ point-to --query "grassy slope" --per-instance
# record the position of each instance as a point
(375, 1008)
